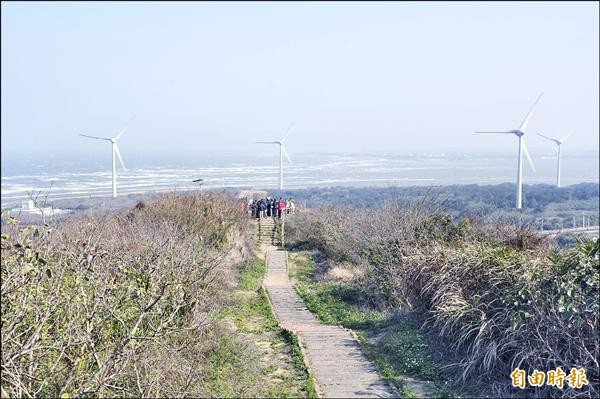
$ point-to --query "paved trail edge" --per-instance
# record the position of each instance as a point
(332, 354)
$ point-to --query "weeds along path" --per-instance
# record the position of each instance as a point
(332, 353)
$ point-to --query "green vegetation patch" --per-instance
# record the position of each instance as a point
(252, 316)
(395, 345)
(329, 302)
(385, 368)
(251, 274)
(226, 372)
(251, 313)
(299, 365)
(332, 302)
(405, 346)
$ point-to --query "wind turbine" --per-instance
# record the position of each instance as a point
(282, 151)
(558, 143)
(115, 151)
(520, 132)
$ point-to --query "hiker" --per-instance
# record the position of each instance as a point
(280, 206)
(256, 209)
(263, 208)
(269, 207)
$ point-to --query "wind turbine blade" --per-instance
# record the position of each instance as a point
(527, 155)
(564, 138)
(125, 128)
(286, 132)
(120, 133)
(506, 132)
(546, 137)
(286, 154)
(266, 142)
(526, 120)
(119, 156)
(94, 137)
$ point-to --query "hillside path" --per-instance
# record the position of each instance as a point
(333, 354)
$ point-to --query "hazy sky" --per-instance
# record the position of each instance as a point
(355, 77)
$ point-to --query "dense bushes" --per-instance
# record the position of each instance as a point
(499, 295)
(118, 305)
(559, 206)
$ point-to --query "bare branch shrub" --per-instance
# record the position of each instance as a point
(117, 305)
(500, 295)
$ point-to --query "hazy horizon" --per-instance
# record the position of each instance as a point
(375, 78)
(90, 174)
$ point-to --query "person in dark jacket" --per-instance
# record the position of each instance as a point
(256, 209)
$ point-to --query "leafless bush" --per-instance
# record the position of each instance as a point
(500, 295)
(109, 306)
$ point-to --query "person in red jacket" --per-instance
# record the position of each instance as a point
(280, 207)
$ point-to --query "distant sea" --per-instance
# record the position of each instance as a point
(82, 176)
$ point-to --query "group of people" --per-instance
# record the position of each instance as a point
(270, 207)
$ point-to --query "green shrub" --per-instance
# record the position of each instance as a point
(497, 293)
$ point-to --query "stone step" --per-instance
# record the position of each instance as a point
(359, 394)
(350, 364)
(326, 370)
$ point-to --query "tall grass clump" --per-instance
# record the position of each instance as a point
(499, 295)
(120, 304)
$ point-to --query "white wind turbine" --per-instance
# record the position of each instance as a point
(282, 151)
(520, 132)
(115, 151)
(558, 143)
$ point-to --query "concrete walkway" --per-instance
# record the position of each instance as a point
(333, 354)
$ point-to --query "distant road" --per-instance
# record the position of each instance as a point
(590, 230)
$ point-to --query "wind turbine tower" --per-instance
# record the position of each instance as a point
(115, 154)
(282, 152)
(558, 143)
(520, 132)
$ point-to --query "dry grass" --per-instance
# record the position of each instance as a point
(499, 295)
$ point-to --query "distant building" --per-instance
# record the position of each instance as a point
(29, 207)
(251, 194)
